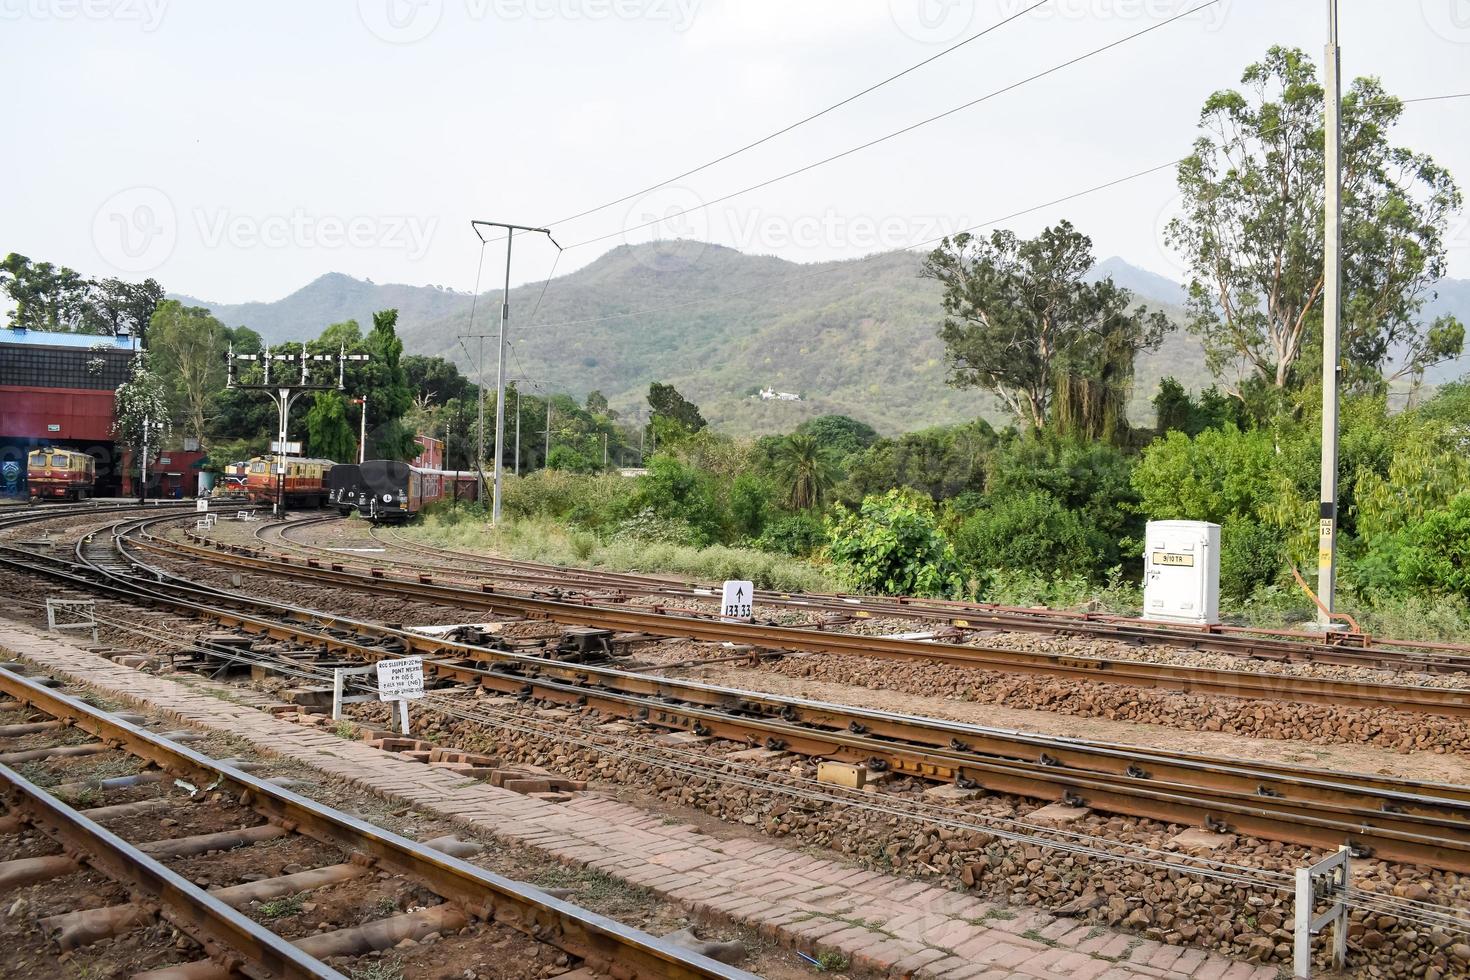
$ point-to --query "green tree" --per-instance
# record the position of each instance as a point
(839, 433)
(1018, 313)
(389, 396)
(807, 471)
(674, 415)
(942, 462)
(1252, 228)
(189, 347)
(329, 434)
(893, 545)
(115, 307)
(1220, 474)
(46, 296)
(435, 380)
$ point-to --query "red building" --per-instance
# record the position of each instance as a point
(432, 456)
(56, 389)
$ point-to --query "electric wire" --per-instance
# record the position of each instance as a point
(907, 129)
(802, 122)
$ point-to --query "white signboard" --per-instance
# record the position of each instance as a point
(401, 679)
(289, 448)
(738, 600)
(202, 505)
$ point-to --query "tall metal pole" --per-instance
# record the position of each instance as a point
(143, 469)
(510, 231)
(518, 431)
(547, 461)
(362, 436)
(500, 382)
(480, 407)
(1331, 313)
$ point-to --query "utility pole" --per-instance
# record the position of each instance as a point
(1331, 315)
(143, 468)
(518, 431)
(604, 450)
(510, 231)
(547, 462)
(362, 435)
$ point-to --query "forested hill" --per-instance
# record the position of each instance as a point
(855, 337)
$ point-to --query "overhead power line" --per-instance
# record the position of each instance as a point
(906, 129)
(803, 121)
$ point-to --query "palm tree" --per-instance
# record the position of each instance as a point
(807, 468)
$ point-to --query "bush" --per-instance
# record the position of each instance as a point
(1438, 552)
(1250, 557)
(750, 504)
(675, 491)
(893, 545)
(1028, 531)
(799, 534)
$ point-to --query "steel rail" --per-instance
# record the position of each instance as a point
(1281, 646)
(225, 934)
(1196, 680)
(1243, 641)
(1268, 800)
(604, 944)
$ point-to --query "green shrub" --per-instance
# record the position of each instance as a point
(750, 504)
(893, 545)
(1028, 531)
(1438, 552)
(799, 534)
(1250, 557)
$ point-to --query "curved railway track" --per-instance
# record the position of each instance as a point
(212, 918)
(668, 622)
(1397, 820)
(1282, 646)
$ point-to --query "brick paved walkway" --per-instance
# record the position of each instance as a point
(880, 922)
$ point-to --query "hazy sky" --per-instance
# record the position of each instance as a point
(236, 151)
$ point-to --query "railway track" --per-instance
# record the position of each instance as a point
(1396, 820)
(1280, 646)
(1230, 683)
(350, 849)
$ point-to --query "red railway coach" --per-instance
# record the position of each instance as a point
(306, 481)
(60, 474)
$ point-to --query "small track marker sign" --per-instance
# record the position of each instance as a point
(401, 679)
(738, 600)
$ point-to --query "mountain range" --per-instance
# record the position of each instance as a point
(856, 337)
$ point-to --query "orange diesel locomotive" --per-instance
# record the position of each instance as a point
(60, 474)
(305, 485)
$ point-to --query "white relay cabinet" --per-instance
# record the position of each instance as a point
(1181, 572)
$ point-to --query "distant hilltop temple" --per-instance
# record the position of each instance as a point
(771, 395)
